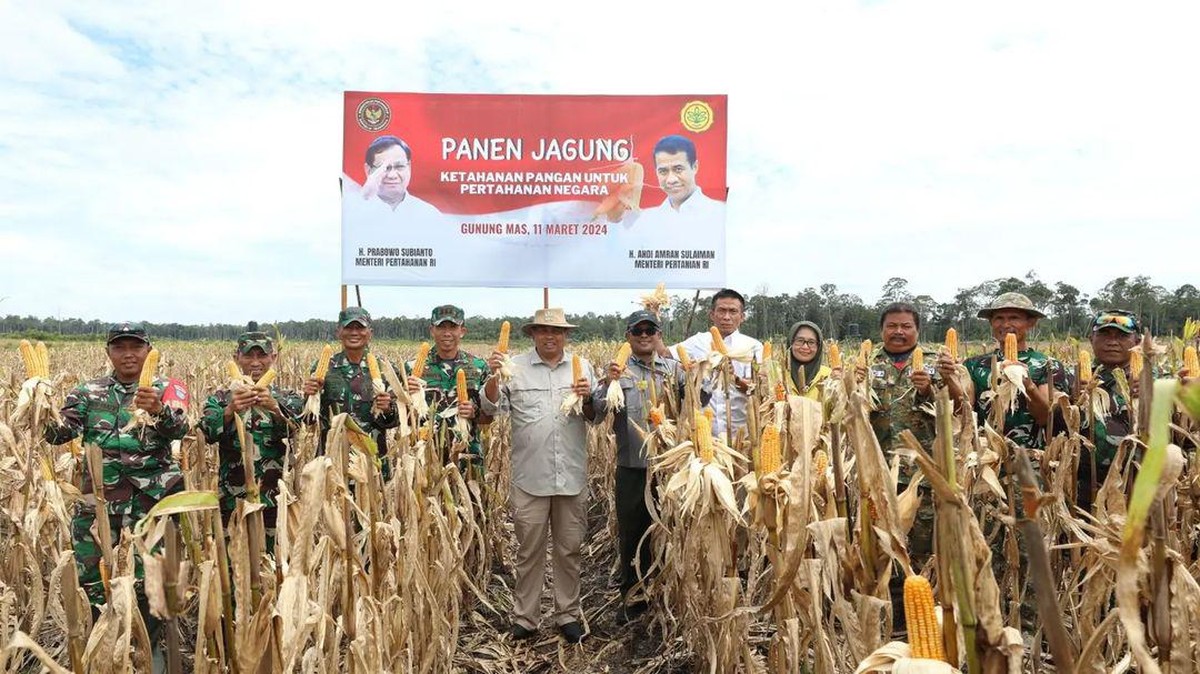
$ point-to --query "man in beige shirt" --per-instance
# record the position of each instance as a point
(549, 469)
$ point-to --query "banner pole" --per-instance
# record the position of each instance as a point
(343, 297)
(358, 295)
(545, 298)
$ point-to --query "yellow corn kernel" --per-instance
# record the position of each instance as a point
(623, 355)
(1135, 363)
(1191, 362)
(1085, 366)
(952, 342)
(460, 384)
(820, 462)
(576, 368)
(267, 379)
(29, 358)
(704, 440)
(323, 363)
(924, 636)
(43, 359)
(864, 353)
(780, 393)
(684, 360)
(1010, 348)
(502, 344)
(766, 352)
(419, 362)
(373, 367)
(718, 342)
(149, 366)
(233, 371)
(918, 360)
(768, 454)
(835, 355)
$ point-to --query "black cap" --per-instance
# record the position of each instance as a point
(133, 329)
(642, 316)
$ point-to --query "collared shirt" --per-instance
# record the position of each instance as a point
(549, 448)
(441, 391)
(348, 388)
(898, 405)
(697, 205)
(1019, 424)
(631, 424)
(698, 346)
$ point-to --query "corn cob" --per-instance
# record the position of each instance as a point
(1135, 363)
(148, 369)
(768, 454)
(502, 344)
(835, 355)
(767, 352)
(43, 358)
(952, 342)
(233, 371)
(418, 368)
(864, 353)
(460, 384)
(267, 379)
(576, 368)
(1010, 348)
(718, 342)
(924, 635)
(820, 462)
(918, 360)
(1085, 366)
(1191, 362)
(780, 394)
(30, 359)
(684, 360)
(704, 440)
(373, 368)
(323, 363)
(623, 355)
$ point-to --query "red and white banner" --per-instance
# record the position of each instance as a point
(529, 191)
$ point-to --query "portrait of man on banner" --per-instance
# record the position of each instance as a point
(387, 170)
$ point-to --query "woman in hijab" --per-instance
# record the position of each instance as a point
(806, 374)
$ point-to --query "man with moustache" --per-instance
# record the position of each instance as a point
(549, 469)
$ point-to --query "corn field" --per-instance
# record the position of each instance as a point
(773, 549)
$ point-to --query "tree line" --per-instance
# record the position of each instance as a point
(841, 315)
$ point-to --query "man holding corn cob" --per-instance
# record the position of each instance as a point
(347, 385)
(138, 469)
(440, 373)
(1114, 333)
(271, 414)
(727, 311)
(644, 378)
(1014, 314)
(549, 467)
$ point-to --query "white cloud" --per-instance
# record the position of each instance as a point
(945, 142)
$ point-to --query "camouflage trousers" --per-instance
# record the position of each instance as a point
(88, 554)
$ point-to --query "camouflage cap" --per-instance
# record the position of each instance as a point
(447, 312)
(1011, 301)
(642, 316)
(249, 340)
(134, 329)
(354, 314)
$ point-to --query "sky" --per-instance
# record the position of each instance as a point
(178, 161)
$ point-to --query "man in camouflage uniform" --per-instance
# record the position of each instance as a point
(270, 415)
(904, 401)
(1014, 313)
(138, 467)
(447, 328)
(1113, 334)
(347, 386)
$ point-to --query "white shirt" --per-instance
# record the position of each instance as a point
(698, 346)
(696, 207)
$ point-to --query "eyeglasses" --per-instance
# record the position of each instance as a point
(397, 167)
(648, 330)
(1122, 319)
(810, 343)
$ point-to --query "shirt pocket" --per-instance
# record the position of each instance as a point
(528, 405)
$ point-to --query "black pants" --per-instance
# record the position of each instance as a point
(633, 519)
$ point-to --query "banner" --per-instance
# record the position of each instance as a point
(532, 191)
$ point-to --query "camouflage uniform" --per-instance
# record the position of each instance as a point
(269, 435)
(138, 468)
(441, 392)
(348, 388)
(1019, 424)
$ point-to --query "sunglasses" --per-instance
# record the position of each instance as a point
(648, 330)
(1113, 318)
